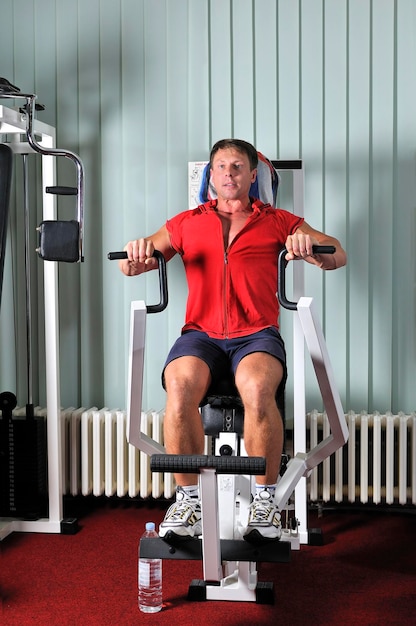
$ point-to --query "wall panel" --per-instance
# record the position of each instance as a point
(358, 171)
(140, 87)
(265, 77)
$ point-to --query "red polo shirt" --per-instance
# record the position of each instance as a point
(232, 292)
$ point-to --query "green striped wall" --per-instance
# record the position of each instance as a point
(140, 87)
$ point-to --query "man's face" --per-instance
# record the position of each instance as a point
(231, 174)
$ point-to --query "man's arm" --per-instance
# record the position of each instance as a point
(299, 246)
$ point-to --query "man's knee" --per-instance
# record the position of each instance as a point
(186, 379)
(257, 392)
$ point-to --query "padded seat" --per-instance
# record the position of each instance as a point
(222, 409)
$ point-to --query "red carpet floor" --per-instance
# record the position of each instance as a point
(365, 573)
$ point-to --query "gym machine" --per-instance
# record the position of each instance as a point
(59, 241)
(229, 563)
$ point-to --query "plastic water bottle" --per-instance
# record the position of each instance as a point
(150, 578)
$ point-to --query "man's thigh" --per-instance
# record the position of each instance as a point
(260, 372)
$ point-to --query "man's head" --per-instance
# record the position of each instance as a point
(236, 144)
(233, 164)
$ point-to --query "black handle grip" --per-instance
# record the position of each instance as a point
(117, 256)
(62, 191)
(281, 283)
(163, 280)
(194, 463)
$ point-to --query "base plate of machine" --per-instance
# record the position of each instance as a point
(231, 550)
(201, 590)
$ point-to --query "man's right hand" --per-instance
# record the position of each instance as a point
(139, 257)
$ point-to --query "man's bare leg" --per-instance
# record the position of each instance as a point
(258, 377)
(186, 380)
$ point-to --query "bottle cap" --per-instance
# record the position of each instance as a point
(150, 526)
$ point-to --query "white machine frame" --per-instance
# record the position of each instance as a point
(137, 342)
(237, 580)
(13, 126)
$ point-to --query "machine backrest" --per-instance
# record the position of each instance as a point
(222, 408)
(264, 187)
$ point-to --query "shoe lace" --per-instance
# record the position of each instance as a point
(260, 510)
(180, 508)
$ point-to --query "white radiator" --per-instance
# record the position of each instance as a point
(377, 465)
(98, 460)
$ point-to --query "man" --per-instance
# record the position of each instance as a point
(229, 248)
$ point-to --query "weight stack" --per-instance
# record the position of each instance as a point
(23, 467)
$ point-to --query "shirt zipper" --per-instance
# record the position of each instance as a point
(226, 277)
(225, 293)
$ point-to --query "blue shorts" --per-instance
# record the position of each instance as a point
(223, 355)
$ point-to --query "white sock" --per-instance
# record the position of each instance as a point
(191, 491)
(270, 488)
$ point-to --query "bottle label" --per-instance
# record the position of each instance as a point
(144, 574)
(149, 575)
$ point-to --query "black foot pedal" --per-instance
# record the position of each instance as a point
(315, 537)
(264, 593)
(257, 539)
(177, 540)
(197, 591)
(69, 526)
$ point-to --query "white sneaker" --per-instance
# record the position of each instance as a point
(263, 519)
(183, 517)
